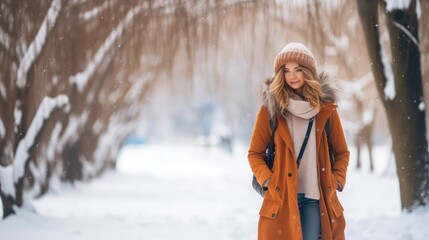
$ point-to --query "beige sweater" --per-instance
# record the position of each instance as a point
(297, 118)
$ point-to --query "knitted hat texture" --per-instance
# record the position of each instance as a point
(295, 52)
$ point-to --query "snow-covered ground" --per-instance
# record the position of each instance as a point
(189, 192)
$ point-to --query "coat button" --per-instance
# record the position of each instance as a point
(277, 189)
(273, 215)
(323, 169)
(289, 174)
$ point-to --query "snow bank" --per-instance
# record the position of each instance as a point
(188, 192)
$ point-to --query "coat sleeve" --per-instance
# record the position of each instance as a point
(339, 148)
(258, 144)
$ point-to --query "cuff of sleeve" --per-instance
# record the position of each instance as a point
(340, 186)
(265, 176)
(265, 186)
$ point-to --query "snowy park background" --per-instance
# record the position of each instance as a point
(191, 192)
(132, 119)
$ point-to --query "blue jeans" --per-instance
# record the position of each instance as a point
(309, 211)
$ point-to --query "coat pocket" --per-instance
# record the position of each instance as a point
(334, 182)
(269, 209)
(336, 206)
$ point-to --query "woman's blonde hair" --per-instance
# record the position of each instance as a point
(281, 91)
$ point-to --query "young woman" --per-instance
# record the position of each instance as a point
(300, 200)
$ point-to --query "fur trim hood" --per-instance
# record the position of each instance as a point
(329, 88)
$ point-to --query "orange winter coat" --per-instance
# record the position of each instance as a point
(279, 213)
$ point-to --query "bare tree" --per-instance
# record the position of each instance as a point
(399, 84)
(75, 75)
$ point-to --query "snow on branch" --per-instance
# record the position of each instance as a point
(4, 39)
(88, 15)
(43, 112)
(6, 176)
(3, 93)
(108, 144)
(2, 129)
(16, 170)
(37, 44)
(135, 91)
(70, 133)
(77, 2)
(397, 4)
(81, 78)
(358, 85)
(389, 89)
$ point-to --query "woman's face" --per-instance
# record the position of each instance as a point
(294, 76)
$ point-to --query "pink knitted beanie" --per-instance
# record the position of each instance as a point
(295, 52)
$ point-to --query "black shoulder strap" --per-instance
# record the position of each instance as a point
(327, 131)
(328, 127)
(304, 144)
(273, 126)
(270, 151)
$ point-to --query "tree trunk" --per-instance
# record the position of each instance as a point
(406, 119)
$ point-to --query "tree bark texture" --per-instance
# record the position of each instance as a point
(404, 111)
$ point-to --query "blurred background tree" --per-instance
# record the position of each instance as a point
(399, 84)
(78, 78)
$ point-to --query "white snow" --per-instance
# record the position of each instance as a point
(188, 192)
(88, 15)
(368, 116)
(97, 126)
(37, 44)
(6, 179)
(53, 141)
(39, 168)
(137, 88)
(422, 106)
(396, 4)
(21, 155)
(418, 10)
(72, 129)
(81, 78)
(389, 89)
(4, 39)
(17, 114)
(3, 93)
(108, 145)
(2, 129)
(340, 42)
(330, 51)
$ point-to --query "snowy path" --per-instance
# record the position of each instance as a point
(176, 192)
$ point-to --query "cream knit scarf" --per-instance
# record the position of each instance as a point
(297, 118)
